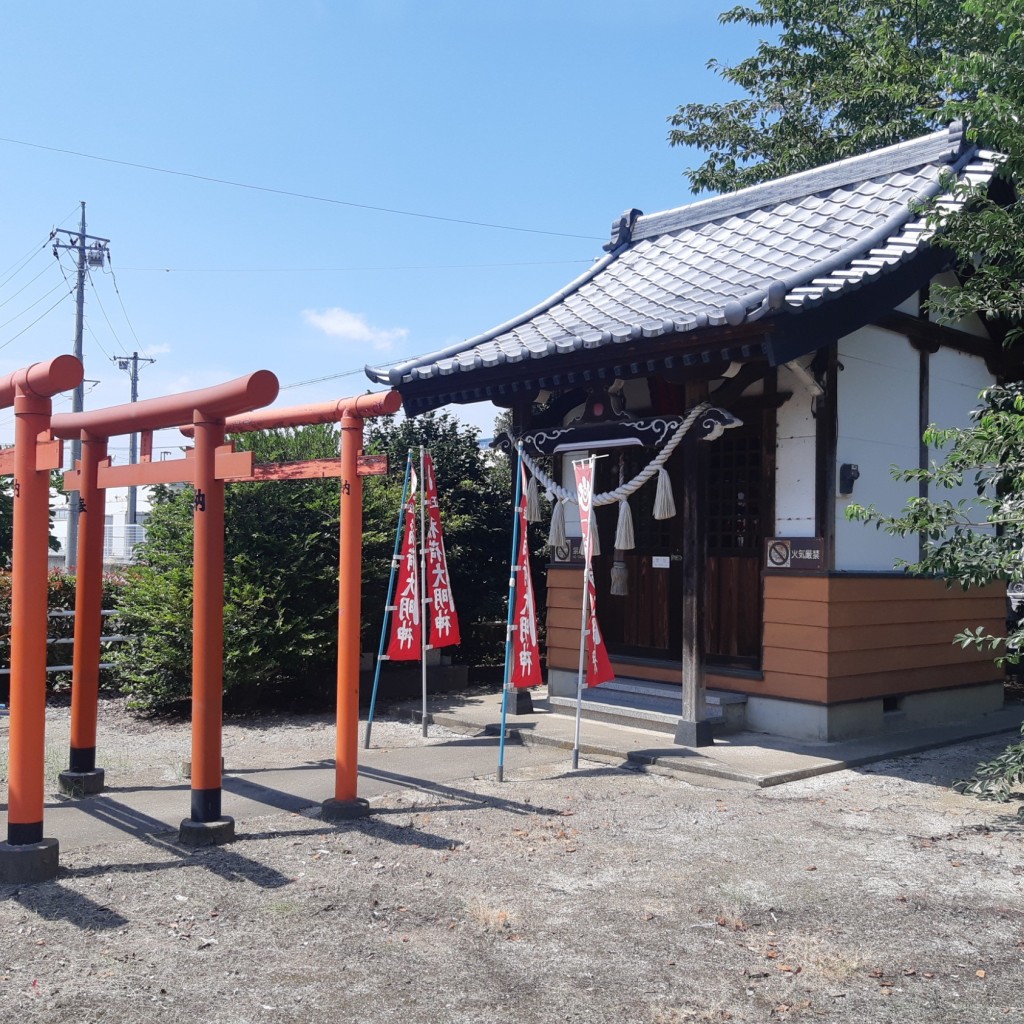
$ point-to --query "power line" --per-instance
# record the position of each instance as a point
(21, 263)
(117, 291)
(344, 270)
(17, 316)
(320, 380)
(99, 302)
(24, 286)
(295, 195)
(34, 322)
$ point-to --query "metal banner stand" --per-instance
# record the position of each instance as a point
(509, 626)
(388, 606)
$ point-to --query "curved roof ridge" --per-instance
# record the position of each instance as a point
(945, 145)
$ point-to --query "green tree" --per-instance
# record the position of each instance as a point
(280, 591)
(476, 510)
(281, 566)
(841, 80)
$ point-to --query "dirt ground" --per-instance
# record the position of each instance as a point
(605, 895)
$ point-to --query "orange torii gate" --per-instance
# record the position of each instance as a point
(27, 856)
(206, 467)
(349, 414)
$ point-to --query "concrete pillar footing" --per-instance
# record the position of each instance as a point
(520, 702)
(344, 810)
(694, 734)
(79, 784)
(207, 833)
(29, 863)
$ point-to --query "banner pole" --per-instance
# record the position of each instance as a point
(511, 612)
(587, 528)
(424, 601)
(387, 602)
(579, 677)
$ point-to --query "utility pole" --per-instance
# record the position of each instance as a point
(131, 364)
(91, 252)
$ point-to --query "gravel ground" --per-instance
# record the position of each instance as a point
(605, 895)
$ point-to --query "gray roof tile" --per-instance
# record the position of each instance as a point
(814, 234)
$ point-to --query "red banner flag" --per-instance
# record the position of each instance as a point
(406, 637)
(599, 668)
(444, 622)
(525, 648)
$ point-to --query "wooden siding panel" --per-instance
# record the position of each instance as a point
(911, 681)
(966, 611)
(796, 637)
(835, 638)
(800, 613)
(939, 634)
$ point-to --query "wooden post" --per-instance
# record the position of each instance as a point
(207, 643)
(27, 857)
(346, 804)
(693, 730)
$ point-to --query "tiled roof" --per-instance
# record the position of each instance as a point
(774, 249)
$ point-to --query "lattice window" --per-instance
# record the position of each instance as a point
(734, 492)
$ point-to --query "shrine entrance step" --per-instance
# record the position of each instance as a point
(642, 704)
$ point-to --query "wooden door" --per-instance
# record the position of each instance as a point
(645, 622)
(735, 512)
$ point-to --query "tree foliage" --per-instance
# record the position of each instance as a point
(838, 79)
(843, 79)
(281, 566)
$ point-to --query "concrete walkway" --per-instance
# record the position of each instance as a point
(753, 758)
(538, 741)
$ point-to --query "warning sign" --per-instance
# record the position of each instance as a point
(805, 553)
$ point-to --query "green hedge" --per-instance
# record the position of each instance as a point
(61, 591)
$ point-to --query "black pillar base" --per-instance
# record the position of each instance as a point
(79, 784)
(694, 734)
(344, 810)
(29, 863)
(207, 833)
(520, 702)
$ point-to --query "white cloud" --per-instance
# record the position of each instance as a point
(340, 323)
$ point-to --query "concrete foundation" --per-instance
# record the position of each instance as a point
(30, 863)
(874, 717)
(344, 810)
(206, 833)
(561, 683)
(79, 784)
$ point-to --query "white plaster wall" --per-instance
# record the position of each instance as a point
(794, 460)
(878, 427)
(971, 324)
(955, 380)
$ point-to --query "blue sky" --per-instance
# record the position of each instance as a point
(549, 117)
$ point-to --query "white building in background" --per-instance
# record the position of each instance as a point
(119, 536)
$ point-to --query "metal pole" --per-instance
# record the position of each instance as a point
(509, 626)
(424, 600)
(71, 540)
(584, 632)
(387, 602)
(133, 440)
